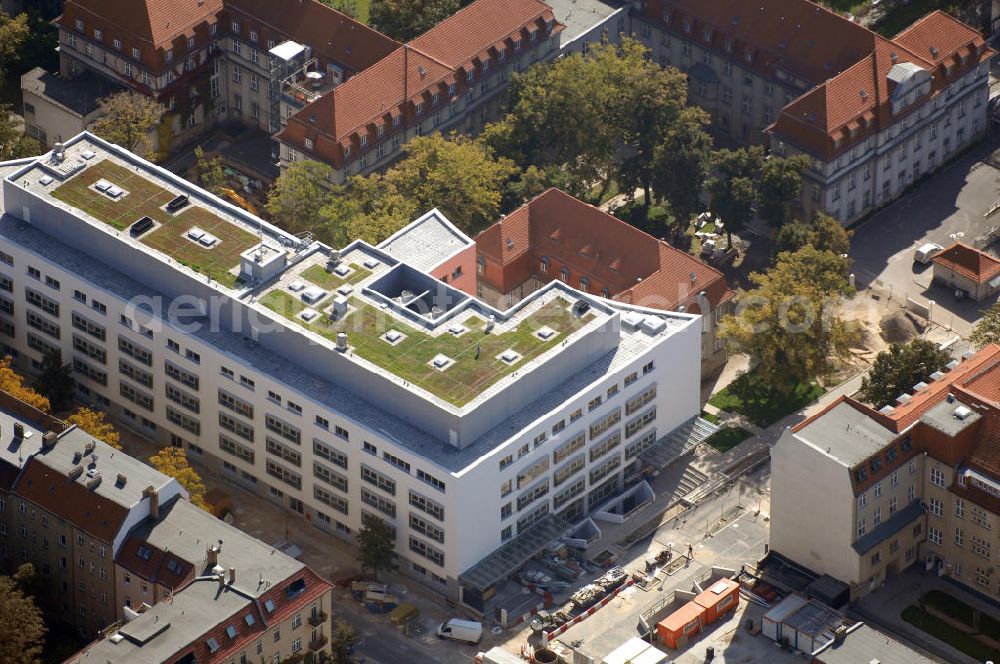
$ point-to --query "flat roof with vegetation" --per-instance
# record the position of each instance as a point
(474, 354)
(145, 198)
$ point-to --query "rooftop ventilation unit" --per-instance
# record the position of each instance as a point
(904, 399)
(962, 412)
(177, 204)
(342, 341)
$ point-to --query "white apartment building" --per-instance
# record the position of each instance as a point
(337, 382)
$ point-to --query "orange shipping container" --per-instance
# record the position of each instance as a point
(723, 596)
(682, 624)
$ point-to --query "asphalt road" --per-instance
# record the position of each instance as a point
(947, 207)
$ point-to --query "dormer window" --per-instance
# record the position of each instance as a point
(79, 25)
(364, 140)
(451, 88)
(501, 54)
(347, 151)
(420, 107)
(118, 44)
(543, 264)
(253, 35)
(379, 130)
(213, 29)
(836, 143)
(666, 16)
(748, 56)
(169, 55)
(486, 66)
(688, 27)
(532, 35)
(98, 35)
(707, 34)
(135, 53)
(565, 273)
(395, 121)
(729, 45)
(517, 46)
(309, 144)
(235, 27)
(434, 98)
(584, 284)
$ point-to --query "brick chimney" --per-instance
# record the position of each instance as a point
(154, 501)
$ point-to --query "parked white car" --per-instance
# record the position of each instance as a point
(926, 252)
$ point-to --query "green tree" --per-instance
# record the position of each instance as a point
(459, 176)
(987, 329)
(13, 143)
(371, 209)
(651, 107)
(779, 186)
(94, 423)
(405, 19)
(14, 32)
(12, 383)
(127, 118)
(297, 196)
(173, 462)
(537, 129)
(786, 324)
(22, 630)
(210, 171)
(342, 637)
(377, 544)
(26, 578)
(824, 233)
(681, 165)
(56, 381)
(734, 189)
(900, 367)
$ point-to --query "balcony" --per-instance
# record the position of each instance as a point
(317, 618)
(318, 643)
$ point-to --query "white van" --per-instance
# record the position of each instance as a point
(468, 631)
(926, 252)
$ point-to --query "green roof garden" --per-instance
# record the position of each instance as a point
(146, 199)
(474, 355)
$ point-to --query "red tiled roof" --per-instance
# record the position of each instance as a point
(969, 262)
(157, 22)
(473, 30)
(411, 74)
(331, 34)
(820, 121)
(635, 266)
(70, 500)
(798, 37)
(154, 568)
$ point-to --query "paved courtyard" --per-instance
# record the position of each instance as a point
(947, 207)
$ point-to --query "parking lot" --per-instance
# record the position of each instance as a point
(947, 207)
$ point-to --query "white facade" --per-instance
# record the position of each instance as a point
(325, 434)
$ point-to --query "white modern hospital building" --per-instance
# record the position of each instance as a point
(339, 382)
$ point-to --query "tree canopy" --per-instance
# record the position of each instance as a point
(824, 233)
(14, 32)
(300, 193)
(94, 423)
(786, 323)
(56, 381)
(900, 367)
(405, 19)
(13, 143)
(987, 329)
(172, 461)
(210, 172)
(22, 629)
(778, 186)
(376, 544)
(13, 383)
(576, 116)
(127, 118)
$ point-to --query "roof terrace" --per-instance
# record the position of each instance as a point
(149, 206)
(395, 329)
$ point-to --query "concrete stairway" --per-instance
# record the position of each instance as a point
(678, 442)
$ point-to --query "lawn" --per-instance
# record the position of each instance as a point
(358, 9)
(949, 605)
(727, 438)
(476, 366)
(318, 275)
(709, 417)
(146, 198)
(950, 635)
(759, 401)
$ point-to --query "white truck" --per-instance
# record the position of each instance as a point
(467, 631)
